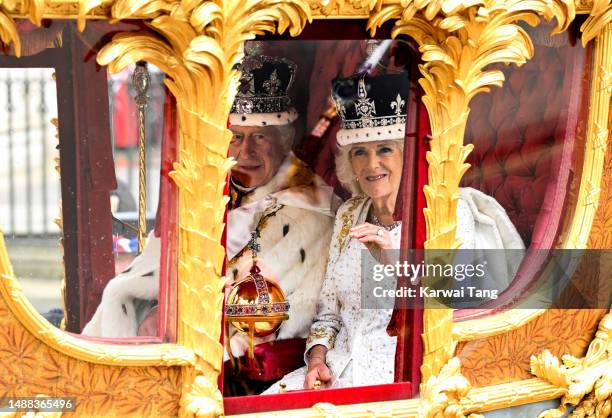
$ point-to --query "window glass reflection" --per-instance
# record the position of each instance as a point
(30, 186)
(82, 181)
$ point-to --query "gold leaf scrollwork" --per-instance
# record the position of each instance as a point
(599, 16)
(587, 381)
(441, 395)
(344, 8)
(325, 7)
(606, 80)
(8, 29)
(197, 45)
(9, 33)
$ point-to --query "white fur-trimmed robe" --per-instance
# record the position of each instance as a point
(294, 249)
(122, 307)
(294, 244)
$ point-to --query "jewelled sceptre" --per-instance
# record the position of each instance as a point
(141, 79)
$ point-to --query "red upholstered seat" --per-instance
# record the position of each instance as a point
(518, 132)
(524, 136)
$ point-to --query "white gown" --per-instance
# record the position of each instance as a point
(357, 341)
(360, 352)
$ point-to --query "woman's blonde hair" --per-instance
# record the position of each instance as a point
(344, 169)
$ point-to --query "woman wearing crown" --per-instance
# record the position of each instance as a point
(347, 345)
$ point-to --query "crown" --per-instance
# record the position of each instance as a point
(262, 98)
(371, 108)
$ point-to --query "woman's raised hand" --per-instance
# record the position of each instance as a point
(376, 238)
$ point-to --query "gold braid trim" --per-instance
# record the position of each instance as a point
(347, 221)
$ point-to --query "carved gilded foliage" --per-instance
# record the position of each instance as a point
(197, 43)
(586, 382)
(28, 318)
(8, 29)
(599, 16)
(351, 8)
(458, 41)
(506, 357)
(32, 9)
(441, 395)
(197, 46)
(29, 367)
(512, 337)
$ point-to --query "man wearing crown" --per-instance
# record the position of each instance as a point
(272, 193)
(275, 195)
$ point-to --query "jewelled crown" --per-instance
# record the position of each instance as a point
(262, 97)
(371, 108)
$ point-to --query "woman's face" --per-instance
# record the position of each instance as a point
(378, 167)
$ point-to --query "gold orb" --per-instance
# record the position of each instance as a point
(265, 309)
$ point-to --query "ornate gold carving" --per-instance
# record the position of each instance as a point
(495, 324)
(508, 395)
(474, 401)
(29, 366)
(600, 15)
(441, 395)
(456, 47)
(8, 29)
(584, 225)
(143, 355)
(606, 80)
(597, 137)
(96, 9)
(584, 6)
(197, 46)
(351, 9)
(33, 10)
(561, 331)
(505, 357)
(586, 382)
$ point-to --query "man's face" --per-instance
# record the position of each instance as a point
(258, 152)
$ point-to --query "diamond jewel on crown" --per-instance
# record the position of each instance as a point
(364, 106)
(244, 106)
(273, 84)
(398, 104)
